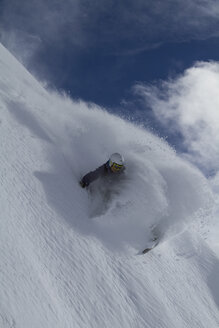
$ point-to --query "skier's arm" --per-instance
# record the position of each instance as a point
(92, 176)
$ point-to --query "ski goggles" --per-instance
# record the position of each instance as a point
(116, 167)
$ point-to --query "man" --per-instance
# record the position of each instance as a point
(114, 166)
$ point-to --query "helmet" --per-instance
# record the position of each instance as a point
(116, 162)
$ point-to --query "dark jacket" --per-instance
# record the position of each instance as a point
(103, 170)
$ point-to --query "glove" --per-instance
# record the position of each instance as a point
(83, 184)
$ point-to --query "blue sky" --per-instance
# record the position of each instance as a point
(98, 51)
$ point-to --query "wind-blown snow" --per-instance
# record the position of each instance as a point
(70, 257)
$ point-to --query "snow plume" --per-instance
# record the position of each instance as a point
(32, 26)
(86, 135)
(189, 105)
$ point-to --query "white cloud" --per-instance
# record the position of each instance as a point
(189, 105)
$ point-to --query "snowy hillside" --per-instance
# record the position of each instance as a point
(70, 258)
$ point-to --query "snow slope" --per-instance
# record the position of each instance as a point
(70, 258)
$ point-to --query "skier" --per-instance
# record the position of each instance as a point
(115, 165)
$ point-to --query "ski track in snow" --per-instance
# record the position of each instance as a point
(67, 260)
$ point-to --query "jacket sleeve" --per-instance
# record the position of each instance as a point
(92, 176)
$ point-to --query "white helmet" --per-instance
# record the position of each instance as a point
(116, 160)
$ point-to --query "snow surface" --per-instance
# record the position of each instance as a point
(71, 258)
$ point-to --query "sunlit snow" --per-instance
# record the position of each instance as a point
(71, 257)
